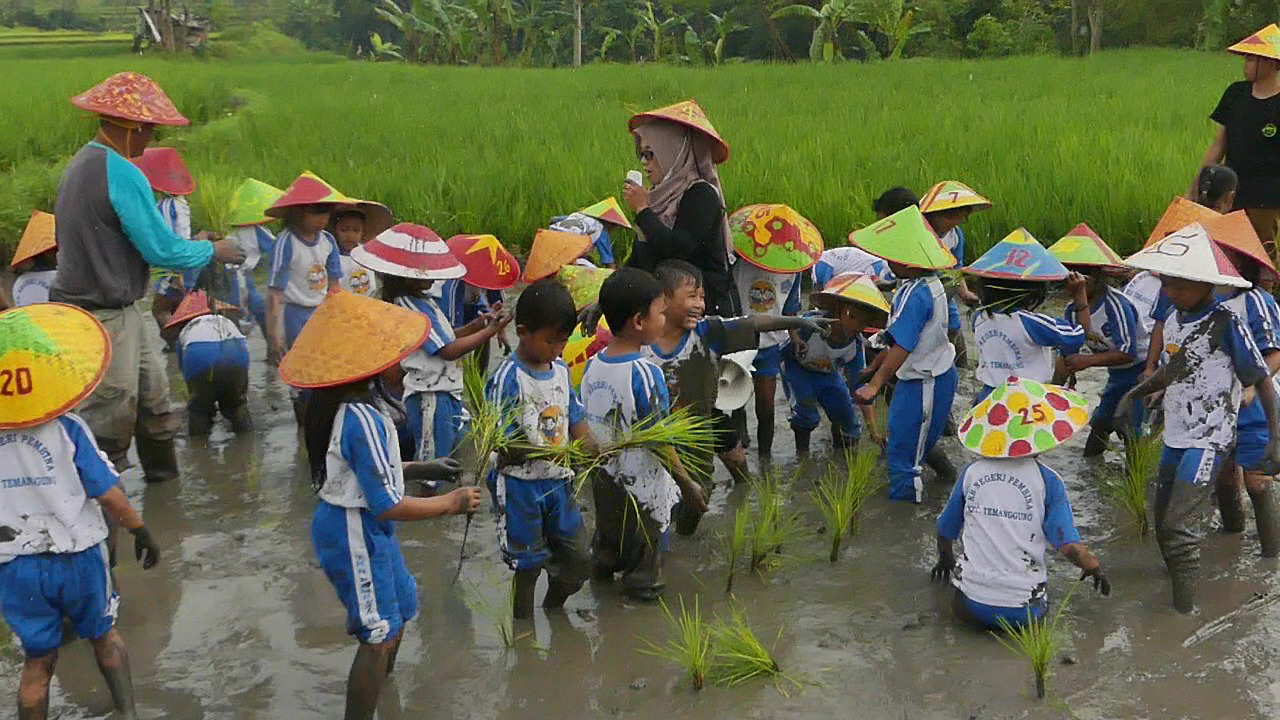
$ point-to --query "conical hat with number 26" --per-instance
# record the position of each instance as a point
(51, 357)
(1021, 418)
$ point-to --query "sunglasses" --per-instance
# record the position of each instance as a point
(645, 155)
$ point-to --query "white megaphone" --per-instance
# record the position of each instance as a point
(734, 383)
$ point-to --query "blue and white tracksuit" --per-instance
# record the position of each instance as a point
(841, 260)
(954, 241)
(764, 292)
(432, 387)
(257, 242)
(1115, 319)
(358, 552)
(926, 385)
(1021, 344)
(303, 272)
(462, 303)
(814, 378)
(1261, 316)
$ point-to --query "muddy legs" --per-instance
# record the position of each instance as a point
(113, 662)
(1181, 511)
(368, 673)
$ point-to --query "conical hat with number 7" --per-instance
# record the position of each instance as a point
(52, 356)
(1189, 254)
(1023, 418)
(904, 238)
(952, 194)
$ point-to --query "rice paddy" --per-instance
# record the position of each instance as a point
(840, 495)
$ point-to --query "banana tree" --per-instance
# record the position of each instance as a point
(825, 45)
(721, 27)
(427, 25)
(655, 28)
(383, 50)
(887, 17)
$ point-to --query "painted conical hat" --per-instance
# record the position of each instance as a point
(377, 217)
(308, 189)
(1082, 246)
(166, 171)
(1264, 43)
(51, 357)
(489, 265)
(1019, 256)
(581, 348)
(951, 194)
(607, 210)
(410, 251)
(691, 115)
(38, 237)
(553, 250)
(1235, 232)
(1189, 254)
(350, 337)
(905, 238)
(775, 238)
(250, 202)
(1180, 213)
(130, 96)
(852, 287)
(194, 305)
(583, 282)
(1021, 418)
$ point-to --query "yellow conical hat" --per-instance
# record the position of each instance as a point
(51, 357)
(350, 337)
(1264, 43)
(1021, 418)
(38, 237)
(951, 194)
(855, 288)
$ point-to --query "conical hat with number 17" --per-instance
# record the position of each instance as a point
(1082, 246)
(52, 356)
(1189, 254)
(1022, 418)
(1264, 43)
(904, 238)
(1180, 213)
(1019, 256)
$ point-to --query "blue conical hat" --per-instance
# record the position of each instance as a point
(1019, 256)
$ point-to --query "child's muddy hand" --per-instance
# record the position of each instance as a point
(941, 572)
(589, 318)
(1077, 284)
(694, 497)
(465, 500)
(1271, 459)
(820, 326)
(1100, 581)
(1076, 363)
(274, 355)
(145, 549)
(878, 438)
(968, 297)
(446, 469)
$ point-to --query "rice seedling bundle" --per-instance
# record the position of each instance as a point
(689, 644)
(738, 656)
(1127, 489)
(1038, 640)
(773, 525)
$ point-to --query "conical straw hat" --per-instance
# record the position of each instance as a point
(351, 337)
(905, 238)
(51, 357)
(1082, 246)
(308, 189)
(130, 96)
(1180, 213)
(607, 210)
(410, 251)
(1021, 418)
(194, 305)
(250, 202)
(952, 194)
(1234, 232)
(581, 348)
(691, 115)
(377, 217)
(1264, 43)
(165, 171)
(775, 238)
(553, 250)
(1189, 254)
(489, 265)
(584, 283)
(1019, 256)
(38, 237)
(855, 288)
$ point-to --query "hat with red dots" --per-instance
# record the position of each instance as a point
(1022, 418)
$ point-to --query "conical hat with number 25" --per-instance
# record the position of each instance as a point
(51, 357)
(1021, 418)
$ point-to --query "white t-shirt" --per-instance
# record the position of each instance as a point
(49, 475)
(424, 369)
(361, 431)
(1021, 343)
(841, 260)
(357, 278)
(616, 393)
(302, 270)
(820, 354)
(918, 322)
(763, 292)
(1007, 514)
(1143, 290)
(177, 213)
(547, 407)
(209, 329)
(251, 238)
(33, 287)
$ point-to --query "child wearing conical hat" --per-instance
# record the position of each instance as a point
(347, 224)
(849, 259)
(248, 221)
(599, 221)
(359, 478)
(491, 269)
(213, 356)
(947, 206)
(171, 180)
(1012, 338)
(1211, 358)
(920, 354)
(1008, 509)
(409, 259)
(35, 261)
(55, 485)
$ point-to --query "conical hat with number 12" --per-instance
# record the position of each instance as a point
(1021, 418)
(1019, 256)
(51, 357)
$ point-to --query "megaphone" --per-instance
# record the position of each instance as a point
(734, 385)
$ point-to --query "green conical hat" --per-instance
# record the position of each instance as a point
(904, 238)
(250, 202)
(1082, 246)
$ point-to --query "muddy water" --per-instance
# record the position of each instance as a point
(238, 622)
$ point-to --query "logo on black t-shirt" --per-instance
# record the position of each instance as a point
(1269, 130)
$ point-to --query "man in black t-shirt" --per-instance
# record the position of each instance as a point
(1248, 132)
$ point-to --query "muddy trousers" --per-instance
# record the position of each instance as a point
(628, 540)
(1183, 509)
(223, 389)
(133, 399)
(539, 527)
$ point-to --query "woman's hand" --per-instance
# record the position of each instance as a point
(636, 196)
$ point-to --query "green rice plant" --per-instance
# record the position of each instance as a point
(734, 543)
(682, 431)
(864, 480)
(473, 380)
(689, 643)
(1037, 640)
(500, 611)
(211, 209)
(773, 525)
(1127, 489)
(834, 499)
(737, 654)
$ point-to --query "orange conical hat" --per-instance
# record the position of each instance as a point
(1234, 231)
(351, 337)
(553, 250)
(691, 115)
(1180, 213)
(1264, 43)
(37, 238)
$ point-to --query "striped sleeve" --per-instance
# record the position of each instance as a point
(1122, 324)
(97, 474)
(503, 389)
(281, 258)
(649, 390)
(441, 332)
(1260, 310)
(333, 262)
(366, 444)
(1065, 336)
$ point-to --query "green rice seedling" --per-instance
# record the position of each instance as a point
(735, 543)
(737, 654)
(773, 526)
(689, 643)
(687, 434)
(834, 499)
(500, 611)
(211, 209)
(1127, 489)
(864, 480)
(473, 380)
(1037, 640)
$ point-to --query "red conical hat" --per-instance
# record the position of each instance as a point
(195, 304)
(130, 96)
(489, 265)
(1234, 232)
(410, 251)
(691, 115)
(308, 189)
(165, 171)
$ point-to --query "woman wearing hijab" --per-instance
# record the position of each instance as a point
(682, 214)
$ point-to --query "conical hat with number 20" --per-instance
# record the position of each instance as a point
(51, 357)
(1021, 418)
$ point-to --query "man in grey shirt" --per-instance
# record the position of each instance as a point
(109, 234)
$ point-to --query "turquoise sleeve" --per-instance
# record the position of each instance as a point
(146, 228)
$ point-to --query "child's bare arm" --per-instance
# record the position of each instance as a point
(889, 362)
(1267, 395)
(275, 325)
(116, 504)
(689, 490)
(1156, 348)
(767, 323)
(1081, 361)
(581, 431)
(460, 501)
(468, 342)
(1080, 556)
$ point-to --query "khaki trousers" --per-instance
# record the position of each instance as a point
(1265, 222)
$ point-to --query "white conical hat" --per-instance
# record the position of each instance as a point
(1189, 254)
